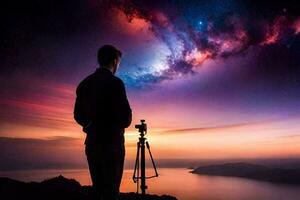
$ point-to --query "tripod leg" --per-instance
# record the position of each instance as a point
(152, 160)
(136, 167)
(143, 168)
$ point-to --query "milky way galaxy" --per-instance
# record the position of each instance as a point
(196, 31)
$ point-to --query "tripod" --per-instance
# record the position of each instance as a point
(140, 159)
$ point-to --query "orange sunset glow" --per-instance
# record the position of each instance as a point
(203, 134)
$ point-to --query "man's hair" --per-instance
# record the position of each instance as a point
(107, 53)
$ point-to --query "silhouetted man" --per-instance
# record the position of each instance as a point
(102, 109)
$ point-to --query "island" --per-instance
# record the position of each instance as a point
(57, 188)
(251, 171)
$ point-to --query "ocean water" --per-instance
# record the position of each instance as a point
(182, 184)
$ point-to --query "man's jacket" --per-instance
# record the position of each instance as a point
(102, 108)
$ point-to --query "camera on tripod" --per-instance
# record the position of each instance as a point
(142, 127)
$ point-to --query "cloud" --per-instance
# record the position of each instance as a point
(290, 136)
(204, 129)
(246, 125)
(41, 103)
(32, 153)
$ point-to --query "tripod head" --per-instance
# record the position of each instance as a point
(142, 127)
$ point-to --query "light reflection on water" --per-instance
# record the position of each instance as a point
(178, 182)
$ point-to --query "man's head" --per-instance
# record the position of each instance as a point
(109, 57)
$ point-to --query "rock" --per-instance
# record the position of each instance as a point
(57, 188)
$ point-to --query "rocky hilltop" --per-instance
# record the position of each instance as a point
(58, 188)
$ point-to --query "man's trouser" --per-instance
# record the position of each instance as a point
(106, 163)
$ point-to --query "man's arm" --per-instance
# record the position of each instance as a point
(123, 113)
(79, 115)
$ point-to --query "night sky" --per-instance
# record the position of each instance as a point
(213, 79)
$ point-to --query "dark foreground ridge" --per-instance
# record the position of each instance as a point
(251, 171)
(58, 188)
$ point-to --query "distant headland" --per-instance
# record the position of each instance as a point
(251, 171)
